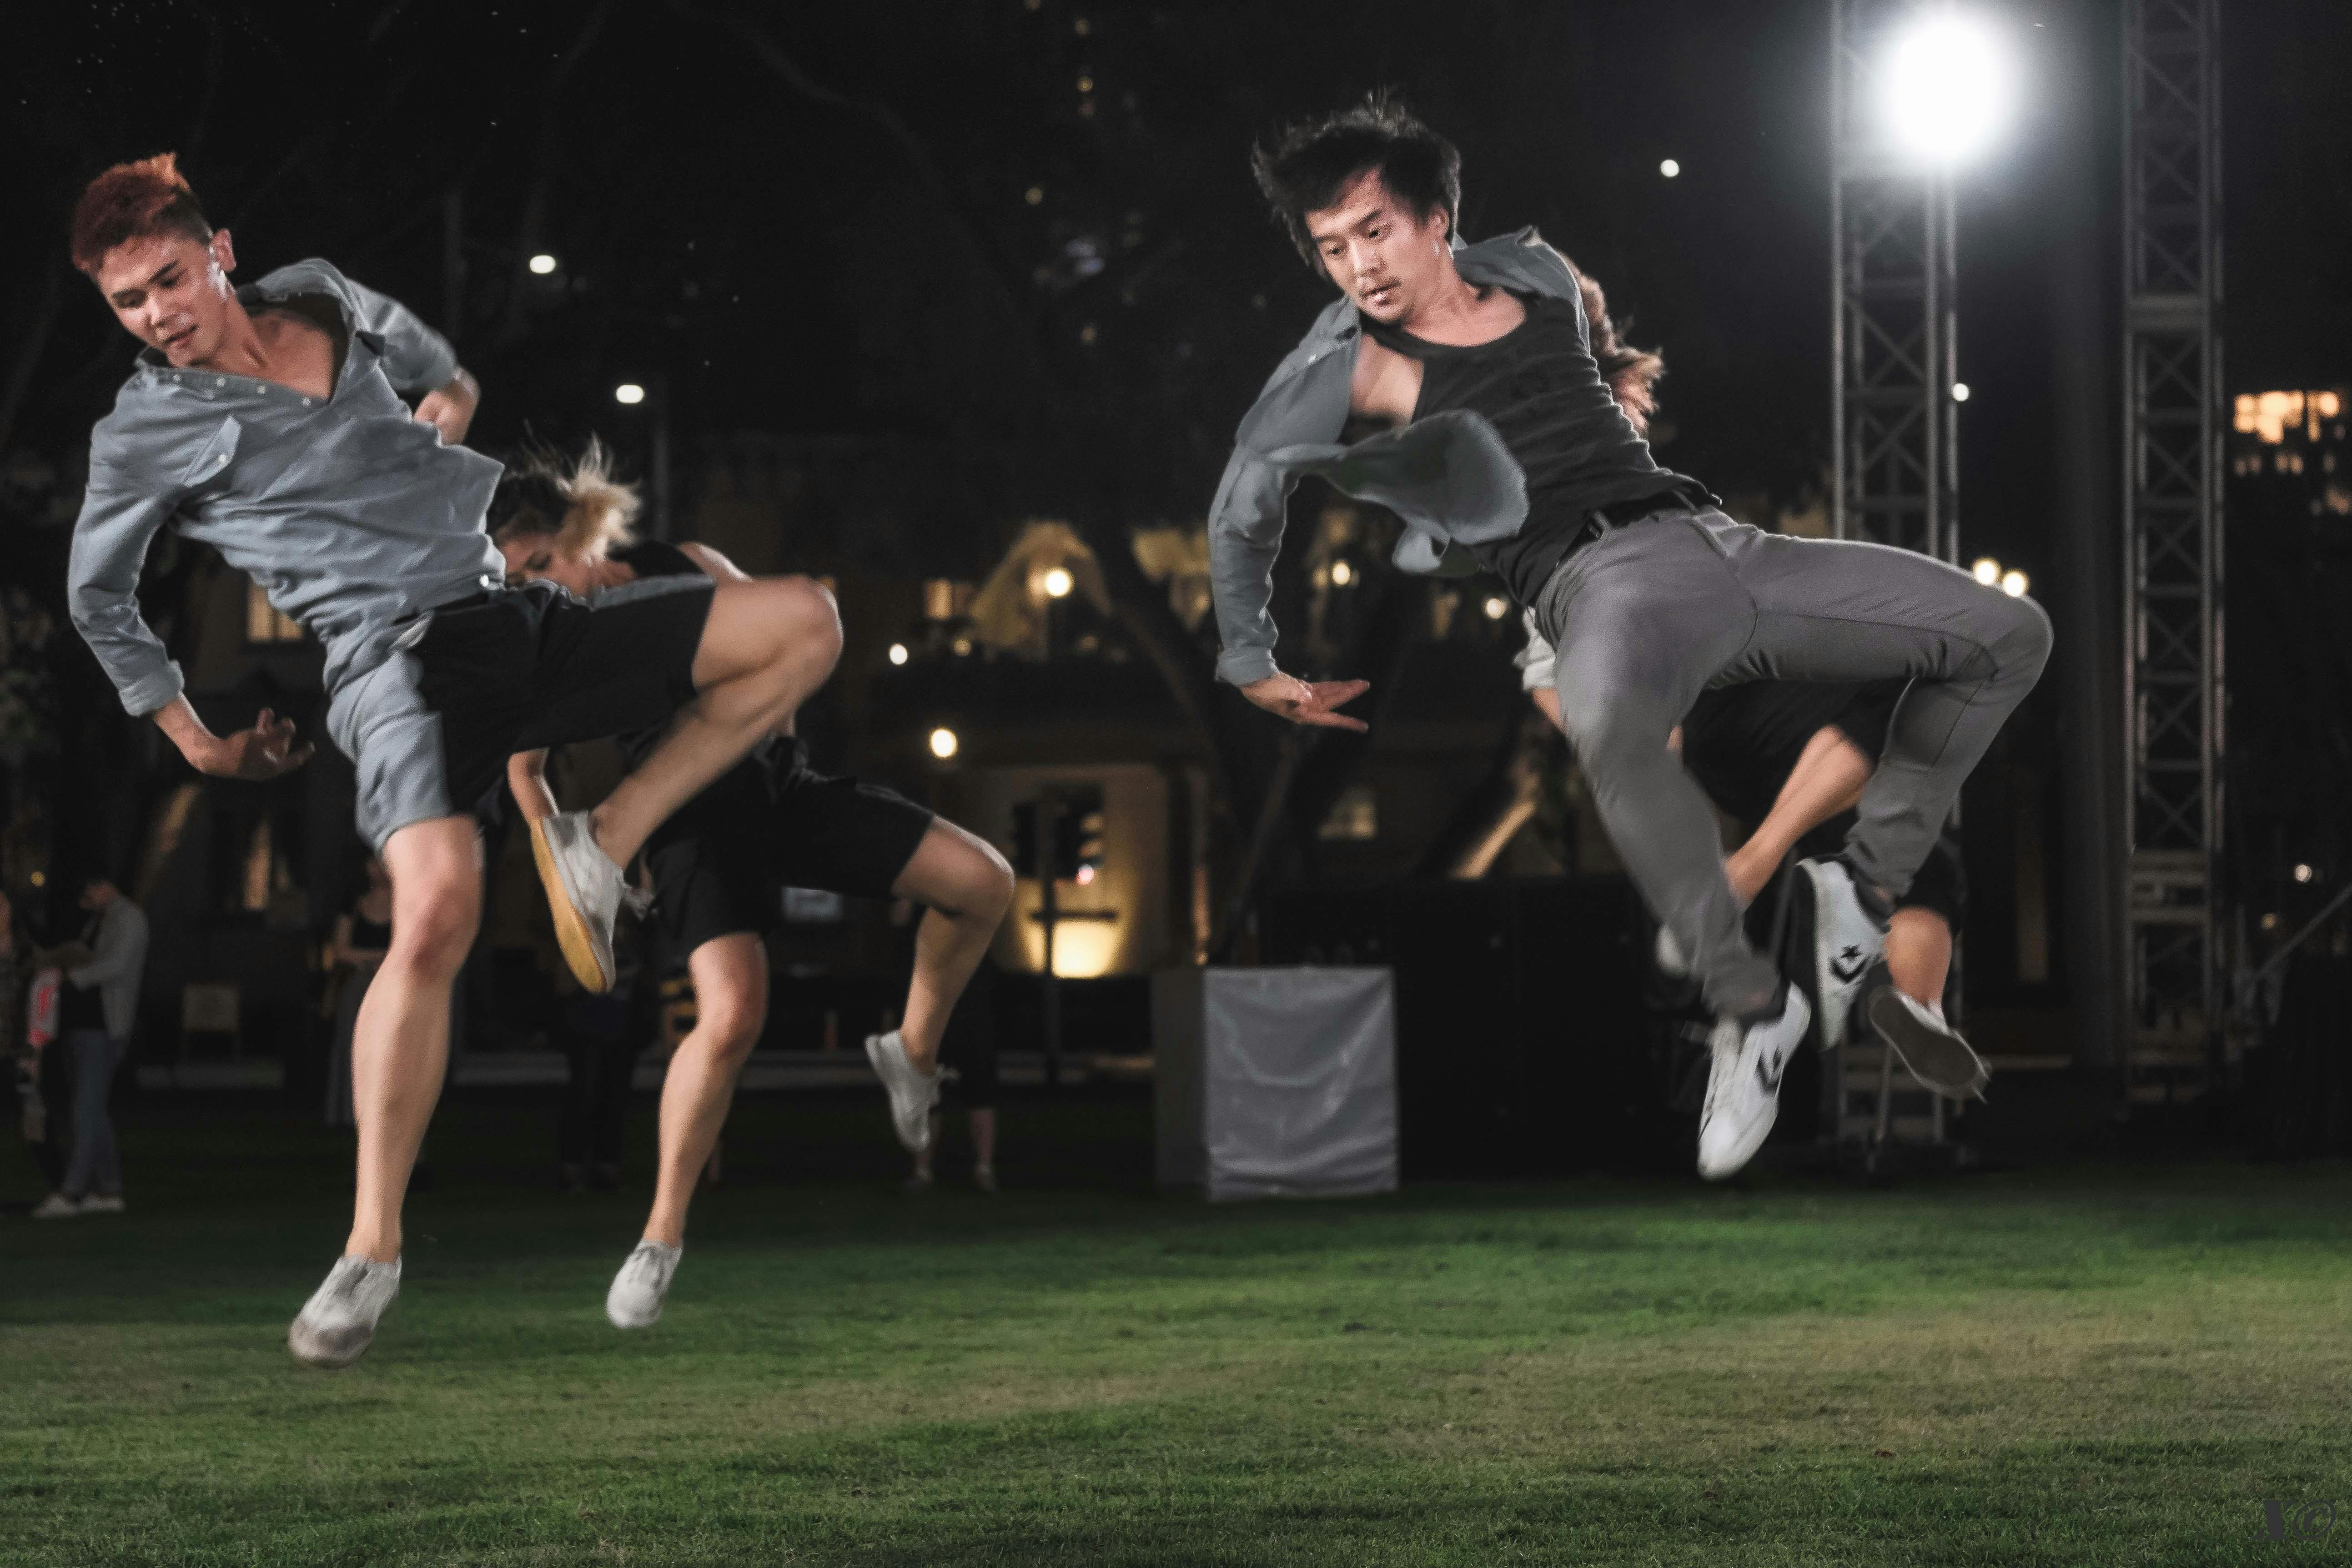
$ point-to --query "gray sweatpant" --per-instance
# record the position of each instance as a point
(1648, 615)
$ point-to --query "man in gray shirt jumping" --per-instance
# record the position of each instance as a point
(267, 421)
(1504, 450)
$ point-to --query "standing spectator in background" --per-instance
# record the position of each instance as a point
(99, 1004)
(16, 1048)
(602, 1037)
(362, 936)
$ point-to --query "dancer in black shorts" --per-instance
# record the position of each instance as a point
(719, 868)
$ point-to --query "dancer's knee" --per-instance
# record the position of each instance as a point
(730, 1020)
(434, 934)
(807, 620)
(731, 996)
(2023, 646)
(958, 874)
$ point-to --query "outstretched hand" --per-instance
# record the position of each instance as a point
(1309, 701)
(263, 751)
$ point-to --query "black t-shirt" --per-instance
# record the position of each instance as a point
(1741, 742)
(1542, 390)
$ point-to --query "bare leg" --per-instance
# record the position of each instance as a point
(731, 1000)
(983, 1135)
(768, 645)
(1920, 956)
(400, 1043)
(1828, 779)
(965, 887)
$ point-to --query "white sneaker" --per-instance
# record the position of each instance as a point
(912, 1093)
(56, 1206)
(337, 1324)
(1743, 1086)
(634, 1301)
(102, 1203)
(584, 893)
(1847, 940)
(1671, 962)
(1933, 1050)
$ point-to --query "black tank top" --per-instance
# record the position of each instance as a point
(1542, 390)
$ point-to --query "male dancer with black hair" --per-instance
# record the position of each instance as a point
(267, 422)
(1508, 449)
(719, 868)
(1789, 759)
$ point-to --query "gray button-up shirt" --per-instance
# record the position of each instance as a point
(1449, 478)
(351, 514)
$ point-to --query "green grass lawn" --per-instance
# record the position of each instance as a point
(2069, 1367)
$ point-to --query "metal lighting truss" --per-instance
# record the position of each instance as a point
(1894, 424)
(2173, 542)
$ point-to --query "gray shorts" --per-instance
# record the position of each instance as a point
(469, 685)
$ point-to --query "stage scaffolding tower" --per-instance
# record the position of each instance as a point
(1894, 427)
(1895, 422)
(2172, 545)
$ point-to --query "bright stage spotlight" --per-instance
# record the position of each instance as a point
(1987, 571)
(2013, 583)
(1948, 87)
(629, 392)
(1059, 582)
(543, 264)
(944, 743)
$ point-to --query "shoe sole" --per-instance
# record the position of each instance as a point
(317, 1353)
(1946, 1064)
(571, 933)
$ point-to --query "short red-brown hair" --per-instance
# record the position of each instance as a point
(130, 201)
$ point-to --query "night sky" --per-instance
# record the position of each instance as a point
(836, 235)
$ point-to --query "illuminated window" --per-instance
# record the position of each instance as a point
(1355, 816)
(265, 622)
(2271, 415)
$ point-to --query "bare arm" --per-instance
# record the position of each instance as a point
(526, 776)
(1828, 778)
(713, 563)
(263, 751)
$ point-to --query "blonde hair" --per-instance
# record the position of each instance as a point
(587, 511)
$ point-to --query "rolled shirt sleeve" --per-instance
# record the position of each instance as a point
(119, 516)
